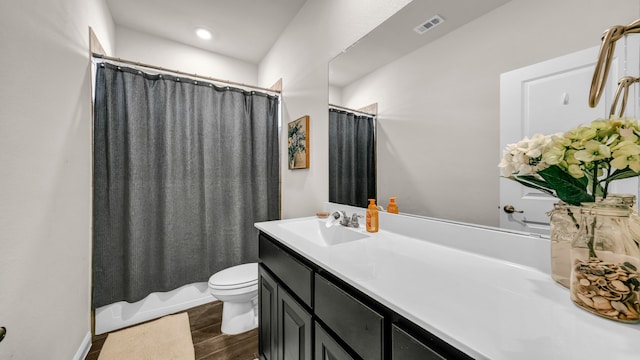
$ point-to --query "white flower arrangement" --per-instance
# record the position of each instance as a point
(525, 156)
(578, 165)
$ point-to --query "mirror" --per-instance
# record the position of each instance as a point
(352, 87)
(438, 93)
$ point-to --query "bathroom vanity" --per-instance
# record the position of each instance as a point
(420, 289)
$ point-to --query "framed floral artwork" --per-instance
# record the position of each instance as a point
(298, 148)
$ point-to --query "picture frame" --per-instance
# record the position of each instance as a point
(298, 143)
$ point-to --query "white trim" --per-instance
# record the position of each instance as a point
(84, 348)
(122, 314)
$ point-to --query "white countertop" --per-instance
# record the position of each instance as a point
(501, 304)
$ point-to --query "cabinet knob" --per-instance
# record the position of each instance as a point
(3, 332)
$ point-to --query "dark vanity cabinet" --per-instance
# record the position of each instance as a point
(307, 313)
(354, 322)
(294, 328)
(267, 315)
(406, 347)
(326, 348)
(285, 321)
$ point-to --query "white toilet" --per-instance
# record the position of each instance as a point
(237, 288)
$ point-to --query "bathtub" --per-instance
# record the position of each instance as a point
(122, 314)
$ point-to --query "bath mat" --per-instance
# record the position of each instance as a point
(166, 338)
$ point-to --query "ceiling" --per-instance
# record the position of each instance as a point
(396, 36)
(257, 24)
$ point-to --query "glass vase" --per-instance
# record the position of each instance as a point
(605, 261)
(564, 224)
(634, 218)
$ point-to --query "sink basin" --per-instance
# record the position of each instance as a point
(322, 232)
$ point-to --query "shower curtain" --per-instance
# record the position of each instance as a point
(352, 164)
(182, 170)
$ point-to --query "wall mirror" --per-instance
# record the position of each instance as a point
(398, 36)
(438, 94)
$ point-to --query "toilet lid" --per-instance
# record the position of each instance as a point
(236, 276)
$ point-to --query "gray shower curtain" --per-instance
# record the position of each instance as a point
(182, 170)
(352, 158)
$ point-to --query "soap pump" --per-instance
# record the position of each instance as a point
(392, 207)
(372, 216)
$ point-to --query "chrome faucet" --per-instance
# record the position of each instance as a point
(354, 220)
(345, 220)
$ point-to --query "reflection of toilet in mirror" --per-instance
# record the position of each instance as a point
(237, 288)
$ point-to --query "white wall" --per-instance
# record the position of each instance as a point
(335, 95)
(321, 29)
(137, 46)
(438, 138)
(45, 181)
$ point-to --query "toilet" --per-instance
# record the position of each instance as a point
(237, 288)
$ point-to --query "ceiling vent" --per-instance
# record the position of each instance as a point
(429, 24)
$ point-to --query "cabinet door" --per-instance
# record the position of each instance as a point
(294, 329)
(406, 347)
(326, 348)
(267, 318)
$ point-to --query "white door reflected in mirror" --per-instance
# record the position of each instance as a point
(547, 98)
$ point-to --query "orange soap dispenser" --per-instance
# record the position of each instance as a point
(392, 207)
(372, 216)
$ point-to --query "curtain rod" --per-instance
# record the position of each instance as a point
(154, 67)
(352, 110)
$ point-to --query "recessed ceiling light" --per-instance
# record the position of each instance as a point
(203, 33)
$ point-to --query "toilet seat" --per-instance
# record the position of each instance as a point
(235, 278)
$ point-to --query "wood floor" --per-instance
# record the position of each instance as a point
(209, 343)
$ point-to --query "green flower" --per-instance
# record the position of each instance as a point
(575, 171)
(555, 155)
(581, 135)
(593, 151)
(626, 154)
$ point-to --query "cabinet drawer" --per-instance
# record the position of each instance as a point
(406, 347)
(294, 274)
(354, 322)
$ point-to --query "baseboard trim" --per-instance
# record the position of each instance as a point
(84, 348)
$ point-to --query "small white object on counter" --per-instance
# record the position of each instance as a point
(485, 291)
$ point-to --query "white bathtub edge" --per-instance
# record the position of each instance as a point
(110, 317)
